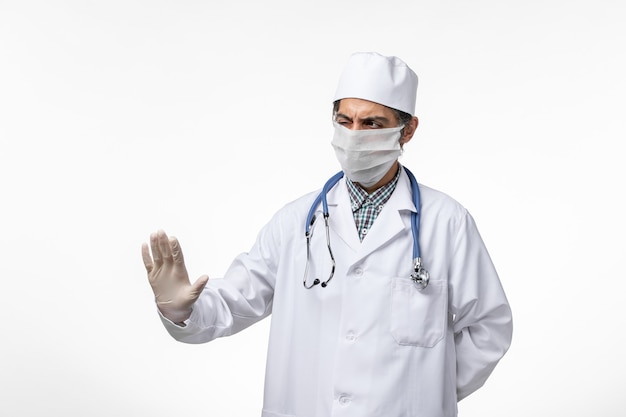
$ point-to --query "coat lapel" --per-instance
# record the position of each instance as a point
(341, 218)
(389, 223)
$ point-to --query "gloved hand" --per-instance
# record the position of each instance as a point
(168, 277)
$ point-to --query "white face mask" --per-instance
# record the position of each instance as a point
(367, 155)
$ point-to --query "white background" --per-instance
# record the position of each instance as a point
(203, 118)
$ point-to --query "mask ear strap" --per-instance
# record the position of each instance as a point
(401, 136)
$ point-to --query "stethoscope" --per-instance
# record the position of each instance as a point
(420, 275)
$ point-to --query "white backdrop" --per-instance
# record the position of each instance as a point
(203, 118)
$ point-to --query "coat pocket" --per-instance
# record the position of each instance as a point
(418, 317)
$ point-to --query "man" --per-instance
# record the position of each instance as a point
(378, 336)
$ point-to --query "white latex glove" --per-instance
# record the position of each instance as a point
(168, 277)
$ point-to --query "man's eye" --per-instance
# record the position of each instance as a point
(373, 125)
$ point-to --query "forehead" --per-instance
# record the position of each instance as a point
(358, 108)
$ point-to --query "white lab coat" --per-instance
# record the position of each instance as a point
(370, 343)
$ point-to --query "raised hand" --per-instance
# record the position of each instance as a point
(168, 277)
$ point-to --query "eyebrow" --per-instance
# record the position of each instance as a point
(381, 119)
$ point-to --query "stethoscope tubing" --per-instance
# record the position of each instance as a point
(420, 276)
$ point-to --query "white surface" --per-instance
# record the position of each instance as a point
(119, 118)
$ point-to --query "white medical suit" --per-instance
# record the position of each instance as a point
(371, 343)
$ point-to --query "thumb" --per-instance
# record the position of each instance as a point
(198, 286)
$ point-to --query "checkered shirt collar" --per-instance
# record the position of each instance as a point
(379, 197)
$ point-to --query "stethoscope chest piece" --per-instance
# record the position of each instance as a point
(420, 276)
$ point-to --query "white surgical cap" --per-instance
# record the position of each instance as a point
(385, 80)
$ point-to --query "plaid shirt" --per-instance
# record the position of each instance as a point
(366, 207)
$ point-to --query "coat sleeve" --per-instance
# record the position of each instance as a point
(243, 297)
(482, 316)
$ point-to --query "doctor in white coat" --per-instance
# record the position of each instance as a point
(371, 341)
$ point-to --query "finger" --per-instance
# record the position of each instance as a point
(177, 253)
(147, 259)
(164, 246)
(198, 286)
(156, 252)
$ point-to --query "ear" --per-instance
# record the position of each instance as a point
(409, 130)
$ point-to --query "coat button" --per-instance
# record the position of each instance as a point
(350, 337)
(344, 400)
